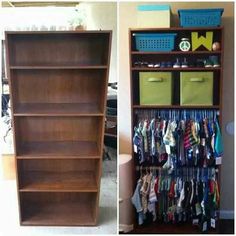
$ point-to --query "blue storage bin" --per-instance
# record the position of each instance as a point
(154, 42)
(200, 17)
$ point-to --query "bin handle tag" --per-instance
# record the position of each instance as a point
(155, 80)
(196, 79)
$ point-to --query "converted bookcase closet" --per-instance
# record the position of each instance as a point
(152, 56)
(58, 83)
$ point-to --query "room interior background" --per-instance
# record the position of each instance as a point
(128, 19)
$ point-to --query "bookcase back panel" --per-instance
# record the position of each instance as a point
(59, 49)
(58, 86)
(58, 197)
(58, 174)
(62, 208)
(58, 128)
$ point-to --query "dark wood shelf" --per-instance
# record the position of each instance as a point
(58, 83)
(62, 149)
(85, 48)
(176, 69)
(137, 86)
(58, 86)
(175, 53)
(111, 135)
(64, 212)
(175, 29)
(45, 181)
(175, 107)
(55, 109)
(56, 32)
(46, 67)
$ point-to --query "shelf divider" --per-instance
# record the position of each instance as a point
(175, 107)
(45, 181)
(175, 69)
(175, 53)
(55, 67)
(56, 149)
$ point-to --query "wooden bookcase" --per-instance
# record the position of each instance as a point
(58, 84)
(151, 57)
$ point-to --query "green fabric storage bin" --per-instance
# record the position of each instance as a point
(155, 88)
(196, 88)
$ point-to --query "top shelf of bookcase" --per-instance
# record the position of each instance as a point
(175, 29)
(55, 67)
(63, 48)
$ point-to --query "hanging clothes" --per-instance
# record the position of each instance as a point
(171, 143)
(136, 200)
(183, 147)
(177, 198)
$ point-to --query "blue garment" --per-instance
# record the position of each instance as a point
(136, 200)
(218, 142)
(139, 142)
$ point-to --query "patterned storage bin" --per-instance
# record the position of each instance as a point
(196, 88)
(200, 17)
(164, 42)
(155, 88)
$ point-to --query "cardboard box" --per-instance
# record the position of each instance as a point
(153, 16)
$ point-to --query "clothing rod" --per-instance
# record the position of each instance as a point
(178, 113)
(138, 168)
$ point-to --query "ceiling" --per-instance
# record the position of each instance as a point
(42, 3)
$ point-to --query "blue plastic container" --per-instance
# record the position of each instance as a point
(200, 17)
(154, 42)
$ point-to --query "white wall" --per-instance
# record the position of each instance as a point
(99, 16)
(104, 16)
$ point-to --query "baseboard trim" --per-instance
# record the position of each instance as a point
(226, 215)
(125, 228)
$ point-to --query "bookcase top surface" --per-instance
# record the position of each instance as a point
(176, 29)
(61, 32)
